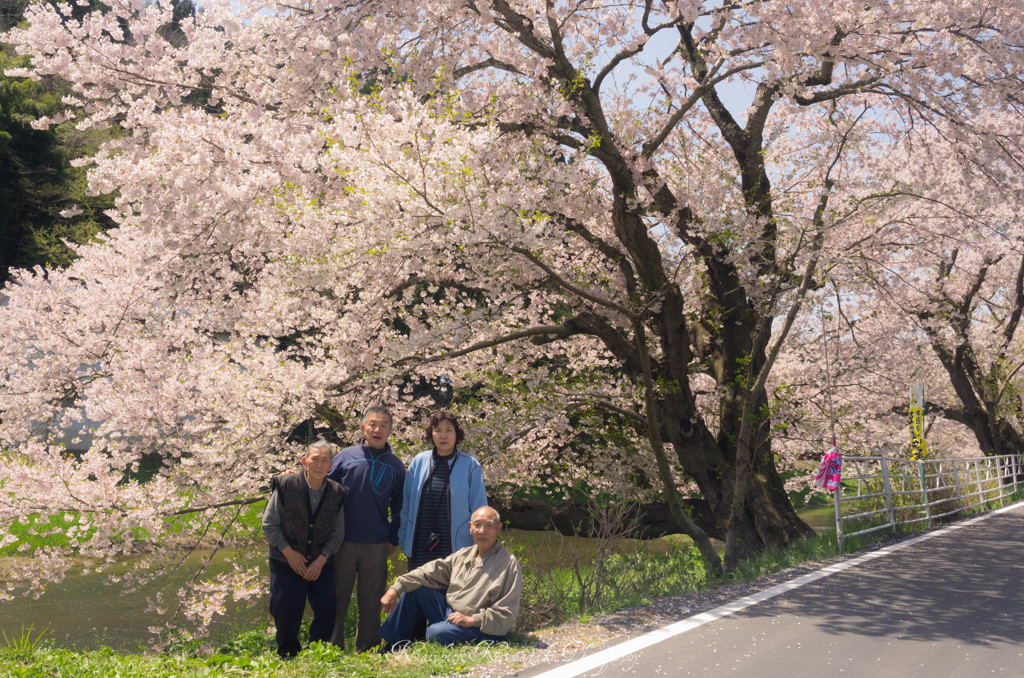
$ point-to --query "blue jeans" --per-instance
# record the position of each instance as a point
(288, 594)
(429, 604)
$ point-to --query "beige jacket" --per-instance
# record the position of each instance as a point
(487, 588)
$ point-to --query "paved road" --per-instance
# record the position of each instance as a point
(948, 605)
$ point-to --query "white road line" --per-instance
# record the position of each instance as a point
(617, 652)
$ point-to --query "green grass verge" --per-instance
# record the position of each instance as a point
(250, 654)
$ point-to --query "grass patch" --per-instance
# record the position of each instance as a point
(21, 647)
(628, 578)
(250, 654)
(818, 547)
(34, 532)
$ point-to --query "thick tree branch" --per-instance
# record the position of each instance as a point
(544, 330)
(1018, 306)
(608, 250)
(574, 289)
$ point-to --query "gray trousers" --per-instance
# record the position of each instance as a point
(367, 563)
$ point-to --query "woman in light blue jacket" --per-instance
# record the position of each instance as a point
(443, 486)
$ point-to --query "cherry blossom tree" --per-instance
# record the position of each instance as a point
(963, 287)
(954, 270)
(875, 354)
(549, 205)
(935, 299)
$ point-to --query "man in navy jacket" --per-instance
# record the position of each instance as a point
(373, 478)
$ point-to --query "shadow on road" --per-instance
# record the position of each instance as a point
(966, 585)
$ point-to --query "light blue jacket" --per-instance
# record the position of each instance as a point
(465, 490)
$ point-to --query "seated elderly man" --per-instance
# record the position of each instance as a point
(471, 595)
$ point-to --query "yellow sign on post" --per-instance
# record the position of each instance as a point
(918, 446)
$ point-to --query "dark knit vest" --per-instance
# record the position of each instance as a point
(305, 529)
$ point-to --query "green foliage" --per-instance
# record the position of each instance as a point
(631, 577)
(34, 533)
(67, 529)
(37, 181)
(807, 496)
(250, 654)
(22, 647)
(767, 562)
(11, 12)
(250, 643)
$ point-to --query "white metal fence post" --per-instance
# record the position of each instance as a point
(887, 488)
(1017, 468)
(1000, 477)
(837, 495)
(956, 481)
(924, 493)
(977, 481)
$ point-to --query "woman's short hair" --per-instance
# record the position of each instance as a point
(439, 416)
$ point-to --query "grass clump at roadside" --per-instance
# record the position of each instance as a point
(770, 561)
(589, 583)
(571, 578)
(249, 654)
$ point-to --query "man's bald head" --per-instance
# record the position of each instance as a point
(485, 526)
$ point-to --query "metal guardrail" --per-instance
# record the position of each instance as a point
(891, 492)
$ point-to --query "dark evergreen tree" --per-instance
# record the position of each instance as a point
(37, 181)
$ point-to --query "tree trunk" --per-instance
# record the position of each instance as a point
(768, 517)
(978, 411)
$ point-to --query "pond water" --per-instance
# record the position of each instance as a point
(84, 611)
(821, 518)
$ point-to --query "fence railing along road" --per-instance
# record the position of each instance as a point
(891, 492)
